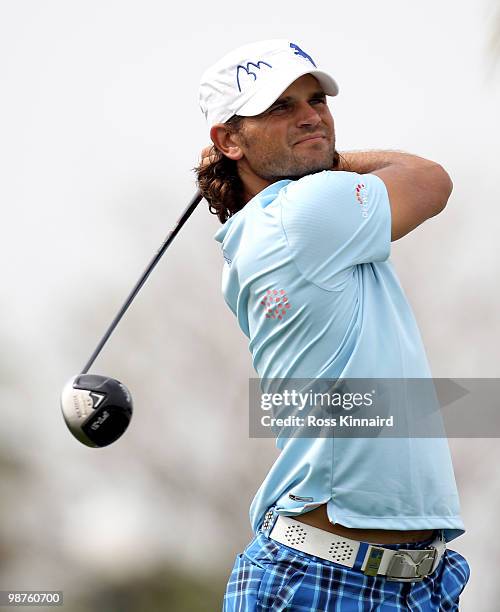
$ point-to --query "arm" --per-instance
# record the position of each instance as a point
(418, 188)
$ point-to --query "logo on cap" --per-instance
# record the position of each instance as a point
(247, 70)
(298, 51)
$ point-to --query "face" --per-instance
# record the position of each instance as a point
(293, 137)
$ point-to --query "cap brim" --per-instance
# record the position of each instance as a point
(263, 99)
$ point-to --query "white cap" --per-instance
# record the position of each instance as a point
(249, 79)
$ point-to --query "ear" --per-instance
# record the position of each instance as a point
(226, 141)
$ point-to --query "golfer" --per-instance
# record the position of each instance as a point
(344, 524)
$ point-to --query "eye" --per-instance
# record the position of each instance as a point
(318, 100)
(279, 108)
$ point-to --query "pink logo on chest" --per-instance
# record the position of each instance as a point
(275, 303)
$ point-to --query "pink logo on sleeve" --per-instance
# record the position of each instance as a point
(275, 303)
(362, 198)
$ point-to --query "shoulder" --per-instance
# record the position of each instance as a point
(332, 194)
(328, 184)
(334, 220)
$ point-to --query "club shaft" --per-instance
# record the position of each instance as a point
(168, 240)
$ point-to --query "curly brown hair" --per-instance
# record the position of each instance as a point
(220, 183)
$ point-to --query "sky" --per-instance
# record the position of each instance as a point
(101, 128)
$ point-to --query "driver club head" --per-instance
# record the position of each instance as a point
(97, 409)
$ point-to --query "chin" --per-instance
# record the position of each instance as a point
(316, 163)
(318, 167)
(300, 174)
(300, 168)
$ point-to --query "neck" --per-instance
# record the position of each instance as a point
(252, 183)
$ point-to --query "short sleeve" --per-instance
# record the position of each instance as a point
(333, 221)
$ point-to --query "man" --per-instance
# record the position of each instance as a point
(306, 240)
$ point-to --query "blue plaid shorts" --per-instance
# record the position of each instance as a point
(269, 576)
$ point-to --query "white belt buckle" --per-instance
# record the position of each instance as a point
(411, 565)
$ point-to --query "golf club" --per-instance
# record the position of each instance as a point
(97, 409)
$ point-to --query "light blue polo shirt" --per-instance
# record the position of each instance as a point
(308, 276)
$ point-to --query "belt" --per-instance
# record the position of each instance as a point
(405, 565)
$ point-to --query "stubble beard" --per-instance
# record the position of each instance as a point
(276, 167)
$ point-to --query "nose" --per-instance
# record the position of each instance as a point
(307, 115)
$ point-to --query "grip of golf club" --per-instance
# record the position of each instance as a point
(195, 200)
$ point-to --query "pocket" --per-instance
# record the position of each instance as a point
(243, 586)
(280, 585)
(266, 577)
